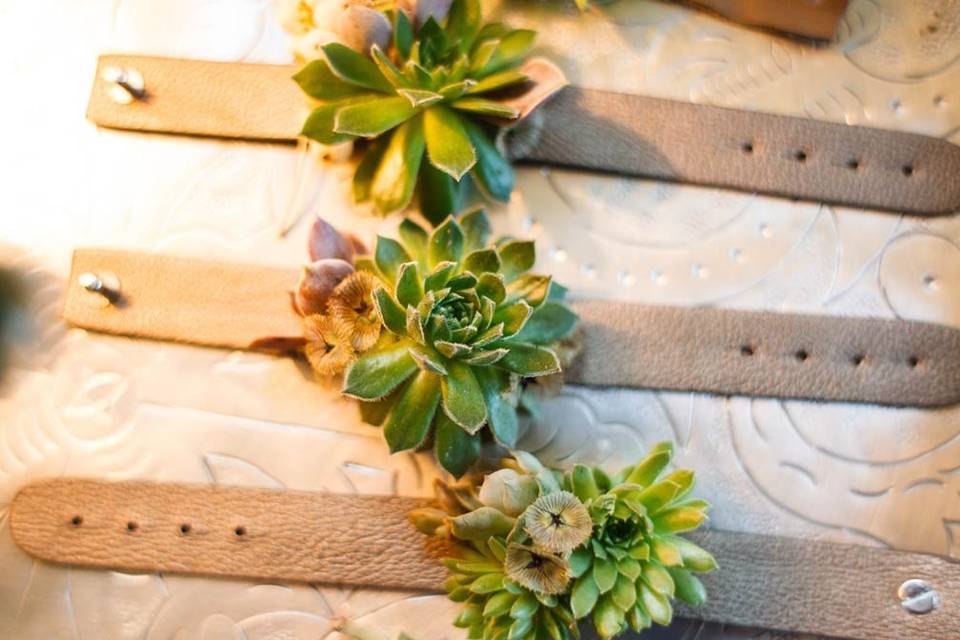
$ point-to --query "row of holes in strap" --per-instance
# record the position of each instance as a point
(185, 528)
(802, 355)
(801, 155)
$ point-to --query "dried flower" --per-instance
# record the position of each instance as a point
(354, 312)
(558, 522)
(317, 283)
(327, 354)
(537, 570)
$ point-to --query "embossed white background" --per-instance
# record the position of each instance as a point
(82, 404)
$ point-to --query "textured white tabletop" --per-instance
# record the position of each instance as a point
(88, 405)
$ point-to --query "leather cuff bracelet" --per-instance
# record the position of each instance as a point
(620, 133)
(889, 362)
(767, 582)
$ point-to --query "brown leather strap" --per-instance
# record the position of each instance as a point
(890, 362)
(810, 19)
(228, 531)
(763, 581)
(628, 134)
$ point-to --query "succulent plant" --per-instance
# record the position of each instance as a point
(432, 93)
(541, 549)
(464, 322)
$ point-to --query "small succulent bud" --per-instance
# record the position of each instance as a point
(426, 9)
(362, 27)
(326, 242)
(317, 283)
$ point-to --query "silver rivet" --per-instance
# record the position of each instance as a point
(126, 85)
(918, 596)
(102, 289)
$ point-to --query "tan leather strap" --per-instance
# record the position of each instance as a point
(228, 531)
(811, 19)
(891, 362)
(767, 582)
(627, 134)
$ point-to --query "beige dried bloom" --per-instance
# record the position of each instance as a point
(354, 312)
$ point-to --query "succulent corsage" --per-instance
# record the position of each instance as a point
(440, 334)
(542, 549)
(429, 98)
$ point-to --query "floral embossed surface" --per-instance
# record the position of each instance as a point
(80, 404)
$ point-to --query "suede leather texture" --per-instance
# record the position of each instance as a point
(729, 352)
(368, 541)
(587, 129)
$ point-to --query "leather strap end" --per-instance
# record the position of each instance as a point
(198, 97)
(229, 532)
(817, 19)
(233, 306)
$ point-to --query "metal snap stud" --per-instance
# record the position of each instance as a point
(126, 85)
(102, 289)
(918, 596)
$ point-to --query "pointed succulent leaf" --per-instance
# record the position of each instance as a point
(389, 70)
(689, 589)
(409, 285)
(471, 614)
(420, 98)
(517, 257)
(685, 479)
(530, 360)
(318, 81)
(378, 371)
(656, 604)
(496, 81)
(493, 172)
(456, 450)
(367, 169)
(465, 280)
(490, 583)
(659, 494)
(665, 551)
(513, 317)
(409, 422)
(481, 523)
(532, 288)
(389, 256)
(485, 107)
(446, 243)
(658, 579)
(448, 145)
(370, 118)
(624, 593)
(441, 274)
(490, 285)
(476, 229)
(501, 415)
(396, 176)
(414, 239)
(320, 125)
(391, 313)
(525, 606)
(492, 334)
(402, 34)
(482, 261)
(583, 597)
(583, 484)
(482, 54)
(463, 23)
(498, 604)
(440, 194)
(457, 89)
(629, 567)
(580, 561)
(678, 519)
(653, 465)
(604, 573)
(427, 361)
(415, 325)
(463, 399)
(452, 349)
(549, 322)
(486, 358)
(352, 67)
(692, 556)
(513, 46)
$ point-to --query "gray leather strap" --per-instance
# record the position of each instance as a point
(890, 362)
(768, 582)
(620, 133)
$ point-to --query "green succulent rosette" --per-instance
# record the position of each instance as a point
(542, 549)
(466, 325)
(427, 103)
